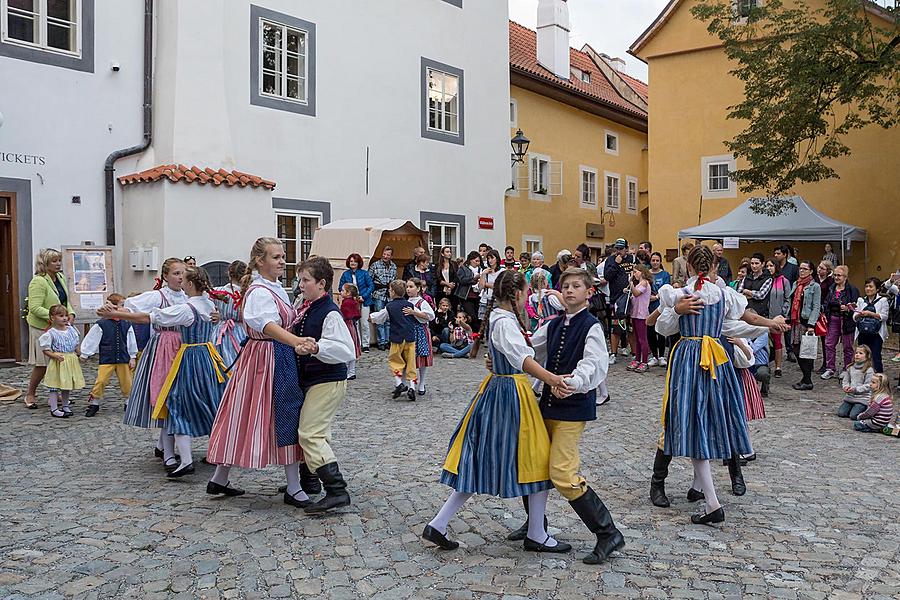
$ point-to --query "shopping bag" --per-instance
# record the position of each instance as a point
(809, 346)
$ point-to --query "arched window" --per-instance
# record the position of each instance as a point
(217, 271)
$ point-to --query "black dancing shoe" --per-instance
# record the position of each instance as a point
(421, 392)
(214, 489)
(693, 495)
(532, 546)
(430, 534)
(92, 410)
(749, 457)
(411, 394)
(172, 467)
(289, 499)
(158, 453)
(399, 391)
(179, 472)
(716, 516)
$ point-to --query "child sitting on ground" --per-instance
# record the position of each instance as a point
(116, 344)
(402, 355)
(880, 410)
(460, 338)
(61, 344)
(857, 384)
(350, 310)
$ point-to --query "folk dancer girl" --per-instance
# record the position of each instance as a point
(229, 333)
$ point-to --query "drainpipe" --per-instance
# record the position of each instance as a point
(109, 169)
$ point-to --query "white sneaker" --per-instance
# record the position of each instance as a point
(653, 362)
(624, 351)
(612, 359)
(662, 361)
(828, 374)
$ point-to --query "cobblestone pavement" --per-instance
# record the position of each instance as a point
(86, 512)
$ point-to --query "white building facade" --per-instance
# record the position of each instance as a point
(353, 109)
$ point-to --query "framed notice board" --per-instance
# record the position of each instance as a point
(89, 277)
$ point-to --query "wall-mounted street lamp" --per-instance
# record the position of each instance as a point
(519, 147)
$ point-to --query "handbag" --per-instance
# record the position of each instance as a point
(809, 347)
(822, 325)
(869, 325)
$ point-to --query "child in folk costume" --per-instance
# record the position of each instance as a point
(501, 447)
(229, 333)
(423, 313)
(260, 410)
(350, 310)
(703, 401)
(157, 357)
(60, 343)
(402, 356)
(193, 388)
(544, 303)
(323, 352)
(115, 342)
(741, 354)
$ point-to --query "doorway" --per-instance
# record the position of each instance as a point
(9, 280)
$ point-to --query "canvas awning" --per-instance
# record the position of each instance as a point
(805, 224)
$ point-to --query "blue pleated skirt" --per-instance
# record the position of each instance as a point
(195, 395)
(138, 409)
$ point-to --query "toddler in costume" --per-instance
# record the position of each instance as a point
(423, 313)
(61, 344)
(116, 343)
(350, 310)
(402, 356)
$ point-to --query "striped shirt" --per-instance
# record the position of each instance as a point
(880, 411)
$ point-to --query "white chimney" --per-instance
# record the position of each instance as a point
(553, 37)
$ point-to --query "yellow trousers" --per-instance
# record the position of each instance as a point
(105, 373)
(319, 406)
(402, 358)
(564, 457)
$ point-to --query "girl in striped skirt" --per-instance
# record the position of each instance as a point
(500, 446)
(703, 401)
(423, 313)
(229, 333)
(156, 359)
(192, 390)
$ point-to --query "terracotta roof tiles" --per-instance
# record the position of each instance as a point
(176, 173)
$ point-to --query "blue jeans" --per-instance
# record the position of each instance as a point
(382, 332)
(456, 352)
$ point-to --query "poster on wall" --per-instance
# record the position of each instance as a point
(89, 277)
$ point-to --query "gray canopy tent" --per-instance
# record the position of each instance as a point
(803, 224)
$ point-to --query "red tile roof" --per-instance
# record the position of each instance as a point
(176, 173)
(523, 57)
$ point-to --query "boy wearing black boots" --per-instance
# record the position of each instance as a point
(575, 346)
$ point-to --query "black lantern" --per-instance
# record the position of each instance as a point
(519, 147)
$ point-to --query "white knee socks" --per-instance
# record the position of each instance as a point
(167, 443)
(422, 379)
(537, 506)
(703, 478)
(397, 380)
(221, 475)
(65, 398)
(351, 368)
(453, 504)
(292, 475)
(183, 442)
(53, 398)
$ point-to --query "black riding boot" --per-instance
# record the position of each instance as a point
(336, 494)
(519, 534)
(309, 481)
(738, 488)
(595, 515)
(658, 481)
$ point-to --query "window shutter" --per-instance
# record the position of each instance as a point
(556, 180)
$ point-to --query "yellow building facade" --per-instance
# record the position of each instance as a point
(584, 179)
(692, 89)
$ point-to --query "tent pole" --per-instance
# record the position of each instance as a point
(843, 261)
(867, 256)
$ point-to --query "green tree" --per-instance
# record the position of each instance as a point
(811, 76)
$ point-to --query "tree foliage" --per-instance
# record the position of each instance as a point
(811, 75)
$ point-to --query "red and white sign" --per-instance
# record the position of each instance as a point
(485, 222)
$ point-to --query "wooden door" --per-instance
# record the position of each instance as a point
(9, 293)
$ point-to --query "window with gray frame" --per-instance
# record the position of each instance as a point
(282, 62)
(443, 102)
(51, 32)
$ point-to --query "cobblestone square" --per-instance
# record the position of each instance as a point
(87, 512)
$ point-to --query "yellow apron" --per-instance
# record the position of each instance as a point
(161, 411)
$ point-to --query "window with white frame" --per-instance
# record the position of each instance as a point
(715, 174)
(443, 101)
(588, 187)
(284, 56)
(631, 194)
(545, 177)
(611, 142)
(295, 230)
(743, 8)
(532, 243)
(440, 235)
(611, 197)
(52, 25)
(513, 113)
(586, 76)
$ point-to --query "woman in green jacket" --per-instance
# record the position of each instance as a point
(46, 289)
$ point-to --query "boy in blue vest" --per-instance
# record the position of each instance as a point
(402, 356)
(575, 346)
(323, 352)
(116, 344)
